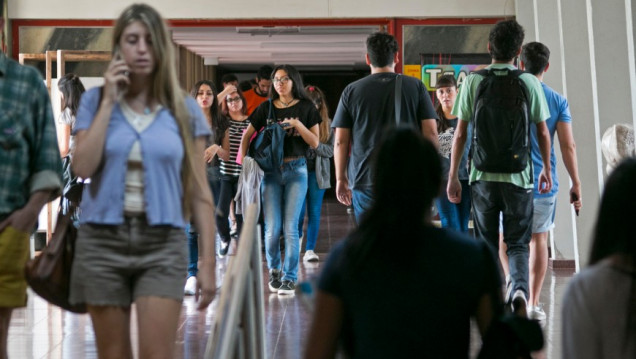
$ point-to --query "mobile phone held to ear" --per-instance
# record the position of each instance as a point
(122, 86)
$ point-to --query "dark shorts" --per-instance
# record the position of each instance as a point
(115, 265)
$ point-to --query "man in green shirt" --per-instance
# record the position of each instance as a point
(507, 193)
(30, 175)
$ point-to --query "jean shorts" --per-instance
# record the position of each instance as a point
(543, 216)
(115, 265)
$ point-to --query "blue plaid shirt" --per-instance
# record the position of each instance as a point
(29, 155)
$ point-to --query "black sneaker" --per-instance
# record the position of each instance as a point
(519, 304)
(286, 288)
(274, 280)
(224, 248)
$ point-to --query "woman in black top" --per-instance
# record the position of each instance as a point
(284, 190)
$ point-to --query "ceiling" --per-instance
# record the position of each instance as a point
(302, 46)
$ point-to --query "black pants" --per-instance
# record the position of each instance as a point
(516, 206)
(229, 186)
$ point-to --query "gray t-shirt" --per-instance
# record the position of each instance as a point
(445, 139)
(367, 107)
(595, 314)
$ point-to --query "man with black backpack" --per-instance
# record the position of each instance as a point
(502, 103)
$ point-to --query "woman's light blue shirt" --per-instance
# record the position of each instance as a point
(162, 151)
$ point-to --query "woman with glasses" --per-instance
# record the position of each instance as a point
(230, 169)
(283, 191)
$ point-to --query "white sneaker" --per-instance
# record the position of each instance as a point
(310, 256)
(536, 312)
(190, 286)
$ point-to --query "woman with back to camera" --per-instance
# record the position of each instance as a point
(451, 215)
(205, 93)
(599, 305)
(283, 191)
(141, 140)
(71, 90)
(230, 169)
(380, 304)
(318, 174)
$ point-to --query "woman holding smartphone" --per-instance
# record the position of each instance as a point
(141, 140)
(283, 190)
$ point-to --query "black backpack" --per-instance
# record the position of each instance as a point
(501, 116)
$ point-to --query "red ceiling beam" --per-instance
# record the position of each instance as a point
(393, 26)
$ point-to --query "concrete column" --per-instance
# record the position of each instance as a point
(613, 42)
(630, 12)
(550, 33)
(580, 87)
(525, 15)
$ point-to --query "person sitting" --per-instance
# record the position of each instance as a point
(389, 306)
(599, 306)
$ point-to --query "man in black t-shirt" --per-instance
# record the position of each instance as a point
(366, 108)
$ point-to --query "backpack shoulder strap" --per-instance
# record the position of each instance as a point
(517, 72)
(483, 72)
(270, 112)
(398, 98)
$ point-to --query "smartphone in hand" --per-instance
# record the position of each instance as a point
(122, 86)
(573, 198)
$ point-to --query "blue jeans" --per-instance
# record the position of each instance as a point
(214, 180)
(282, 195)
(515, 205)
(453, 215)
(193, 250)
(313, 201)
(362, 199)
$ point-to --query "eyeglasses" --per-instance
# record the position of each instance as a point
(233, 99)
(282, 80)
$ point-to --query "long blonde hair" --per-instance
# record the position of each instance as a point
(318, 98)
(165, 85)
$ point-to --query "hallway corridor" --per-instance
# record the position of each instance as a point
(43, 331)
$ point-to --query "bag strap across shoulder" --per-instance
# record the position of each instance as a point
(270, 112)
(491, 72)
(398, 98)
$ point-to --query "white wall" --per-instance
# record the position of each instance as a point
(259, 9)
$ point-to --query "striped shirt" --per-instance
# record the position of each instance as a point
(231, 168)
(29, 156)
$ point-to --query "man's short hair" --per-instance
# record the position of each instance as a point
(535, 57)
(264, 72)
(381, 48)
(505, 39)
(227, 78)
(245, 85)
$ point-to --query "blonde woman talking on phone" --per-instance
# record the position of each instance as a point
(141, 141)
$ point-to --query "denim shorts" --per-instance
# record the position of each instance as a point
(14, 253)
(543, 216)
(115, 265)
